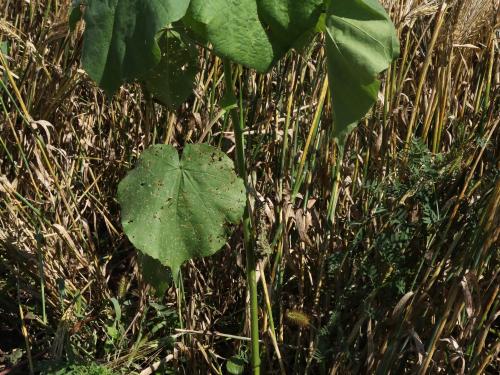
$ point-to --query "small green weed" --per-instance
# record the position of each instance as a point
(77, 369)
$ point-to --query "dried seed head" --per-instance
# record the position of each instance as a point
(298, 318)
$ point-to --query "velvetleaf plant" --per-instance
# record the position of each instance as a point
(174, 209)
(183, 203)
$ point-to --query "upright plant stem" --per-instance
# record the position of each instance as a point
(238, 124)
(423, 74)
(24, 330)
(332, 205)
(41, 266)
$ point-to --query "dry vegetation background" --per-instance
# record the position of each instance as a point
(405, 280)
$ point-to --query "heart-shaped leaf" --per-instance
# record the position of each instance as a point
(178, 209)
(361, 42)
(119, 42)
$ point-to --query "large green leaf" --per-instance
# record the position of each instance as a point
(119, 42)
(361, 42)
(254, 33)
(174, 210)
(171, 81)
(234, 30)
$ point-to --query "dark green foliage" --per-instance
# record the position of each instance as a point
(155, 274)
(171, 81)
(388, 246)
(78, 369)
(75, 16)
(120, 38)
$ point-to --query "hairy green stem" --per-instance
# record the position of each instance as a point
(238, 124)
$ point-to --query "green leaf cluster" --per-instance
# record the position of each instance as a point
(79, 369)
(177, 209)
(123, 42)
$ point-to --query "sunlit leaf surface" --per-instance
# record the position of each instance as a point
(177, 209)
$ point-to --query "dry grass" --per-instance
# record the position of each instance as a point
(405, 280)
